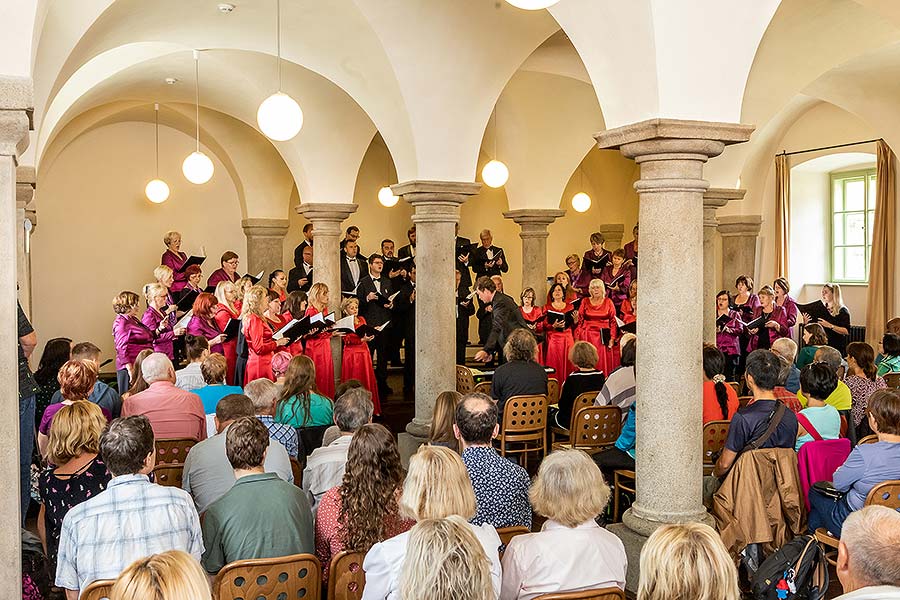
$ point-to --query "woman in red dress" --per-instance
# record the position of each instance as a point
(318, 346)
(559, 335)
(258, 331)
(534, 317)
(629, 304)
(223, 313)
(563, 279)
(278, 283)
(357, 362)
(597, 325)
(274, 312)
(295, 308)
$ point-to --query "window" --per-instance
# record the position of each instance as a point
(853, 216)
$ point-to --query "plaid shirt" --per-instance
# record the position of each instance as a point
(280, 432)
(132, 519)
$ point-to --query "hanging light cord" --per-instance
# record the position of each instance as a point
(197, 78)
(156, 107)
(278, 38)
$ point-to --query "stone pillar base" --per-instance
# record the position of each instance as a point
(409, 445)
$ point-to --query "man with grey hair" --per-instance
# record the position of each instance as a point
(325, 467)
(786, 350)
(263, 393)
(868, 562)
(173, 413)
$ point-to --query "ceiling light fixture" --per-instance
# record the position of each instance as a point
(157, 190)
(279, 116)
(532, 4)
(495, 174)
(581, 202)
(197, 167)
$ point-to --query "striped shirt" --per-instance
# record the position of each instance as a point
(132, 519)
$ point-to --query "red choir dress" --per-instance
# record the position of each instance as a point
(591, 321)
(222, 316)
(536, 323)
(282, 295)
(357, 364)
(629, 312)
(261, 348)
(558, 345)
(318, 349)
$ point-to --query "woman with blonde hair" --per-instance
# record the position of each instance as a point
(444, 560)
(597, 324)
(441, 431)
(172, 575)
(664, 576)
(130, 336)
(437, 485)
(258, 334)
(836, 320)
(76, 471)
(174, 258)
(318, 346)
(223, 314)
(357, 360)
(571, 552)
(160, 318)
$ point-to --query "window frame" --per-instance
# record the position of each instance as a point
(868, 207)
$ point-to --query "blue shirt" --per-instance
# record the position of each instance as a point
(867, 466)
(750, 422)
(792, 384)
(211, 394)
(825, 419)
(626, 439)
(290, 412)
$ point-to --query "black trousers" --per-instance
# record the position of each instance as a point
(378, 348)
(612, 459)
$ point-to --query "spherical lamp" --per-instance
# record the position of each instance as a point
(279, 117)
(581, 202)
(157, 191)
(495, 174)
(197, 168)
(387, 197)
(532, 4)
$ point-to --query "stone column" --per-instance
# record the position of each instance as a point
(437, 213)
(534, 234)
(713, 199)
(739, 236)
(16, 101)
(612, 234)
(265, 244)
(671, 155)
(25, 223)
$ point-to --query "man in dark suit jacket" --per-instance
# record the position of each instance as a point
(488, 259)
(409, 250)
(465, 308)
(404, 324)
(506, 317)
(375, 307)
(353, 268)
(351, 235)
(300, 278)
(307, 242)
(463, 258)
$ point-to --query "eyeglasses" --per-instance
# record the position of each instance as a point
(233, 261)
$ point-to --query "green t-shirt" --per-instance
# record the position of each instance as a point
(806, 355)
(840, 398)
(888, 364)
(321, 412)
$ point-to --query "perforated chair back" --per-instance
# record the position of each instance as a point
(553, 391)
(886, 493)
(168, 474)
(892, 380)
(465, 382)
(346, 578)
(296, 576)
(714, 435)
(596, 427)
(173, 450)
(508, 533)
(869, 439)
(524, 426)
(735, 386)
(98, 590)
(602, 594)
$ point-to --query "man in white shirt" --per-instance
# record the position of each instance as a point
(353, 267)
(868, 562)
(325, 466)
(190, 378)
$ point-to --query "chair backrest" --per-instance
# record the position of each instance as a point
(295, 576)
(552, 391)
(584, 400)
(310, 438)
(465, 382)
(346, 578)
(869, 439)
(886, 493)
(174, 450)
(892, 380)
(297, 472)
(483, 387)
(596, 426)
(735, 386)
(168, 474)
(525, 413)
(602, 594)
(714, 435)
(508, 533)
(97, 590)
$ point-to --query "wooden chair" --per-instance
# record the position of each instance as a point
(552, 391)
(483, 388)
(508, 533)
(174, 450)
(582, 401)
(601, 594)
(168, 474)
(346, 578)
(743, 400)
(735, 386)
(714, 435)
(886, 493)
(525, 424)
(593, 429)
(869, 439)
(296, 576)
(297, 472)
(892, 380)
(623, 481)
(98, 590)
(465, 382)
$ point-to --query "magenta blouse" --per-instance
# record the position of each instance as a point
(51, 411)
(728, 335)
(791, 311)
(165, 335)
(205, 328)
(130, 336)
(619, 292)
(220, 275)
(174, 262)
(778, 315)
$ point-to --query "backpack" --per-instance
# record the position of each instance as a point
(797, 571)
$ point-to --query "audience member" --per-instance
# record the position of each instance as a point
(520, 375)
(262, 393)
(436, 487)
(132, 518)
(172, 575)
(57, 352)
(622, 454)
(840, 398)
(619, 389)
(138, 383)
(890, 360)
(442, 419)
(814, 337)
(207, 474)
(261, 516)
(280, 362)
(333, 432)
(325, 466)
(720, 401)
(867, 564)
(818, 421)
(76, 380)
(786, 349)
(863, 381)
(445, 560)
(749, 425)
(670, 549)
(213, 369)
(102, 395)
(585, 378)
(299, 405)
(174, 413)
(28, 390)
(364, 509)
(190, 378)
(781, 393)
(571, 552)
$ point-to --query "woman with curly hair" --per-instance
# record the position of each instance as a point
(364, 509)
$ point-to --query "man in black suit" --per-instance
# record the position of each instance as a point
(307, 242)
(409, 250)
(465, 308)
(488, 259)
(300, 278)
(404, 324)
(398, 274)
(463, 257)
(505, 314)
(353, 268)
(375, 307)
(351, 235)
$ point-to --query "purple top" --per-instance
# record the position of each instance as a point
(174, 262)
(165, 332)
(619, 291)
(204, 328)
(131, 336)
(728, 336)
(220, 275)
(630, 252)
(51, 411)
(781, 331)
(790, 311)
(746, 309)
(588, 273)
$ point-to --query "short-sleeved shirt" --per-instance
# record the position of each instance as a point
(825, 419)
(501, 488)
(749, 423)
(27, 385)
(321, 412)
(841, 398)
(211, 394)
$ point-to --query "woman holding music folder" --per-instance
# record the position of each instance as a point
(318, 345)
(769, 322)
(728, 334)
(295, 307)
(203, 324)
(534, 317)
(617, 278)
(597, 325)
(831, 314)
(357, 361)
(160, 318)
(227, 316)
(561, 319)
(258, 333)
(593, 261)
(174, 258)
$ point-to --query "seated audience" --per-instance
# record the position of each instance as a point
(131, 519)
(782, 394)
(892, 326)
(841, 398)
(207, 474)
(749, 424)
(190, 378)
(325, 466)
(171, 575)
(333, 433)
(57, 352)
(364, 508)
(711, 576)
(76, 380)
(262, 393)
(520, 375)
(102, 395)
(441, 431)
(571, 552)
(619, 389)
(299, 405)
(786, 349)
(720, 401)
(76, 471)
(174, 413)
(814, 337)
(585, 378)
(280, 362)
(501, 486)
(436, 487)
(863, 380)
(890, 359)
(138, 383)
(445, 560)
(261, 516)
(818, 421)
(867, 564)
(621, 455)
(867, 466)
(213, 370)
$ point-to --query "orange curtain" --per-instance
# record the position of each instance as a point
(782, 215)
(880, 298)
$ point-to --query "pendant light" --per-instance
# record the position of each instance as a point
(495, 174)
(197, 167)
(581, 202)
(157, 190)
(279, 116)
(385, 195)
(532, 4)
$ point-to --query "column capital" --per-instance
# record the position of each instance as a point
(16, 114)
(534, 221)
(25, 184)
(436, 201)
(326, 211)
(265, 227)
(612, 231)
(738, 225)
(716, 198)
(669, 134)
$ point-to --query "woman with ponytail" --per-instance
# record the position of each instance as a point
(720, 401)
(862, 379)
